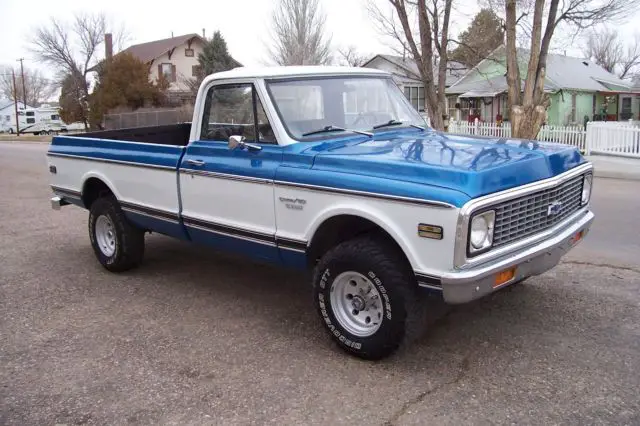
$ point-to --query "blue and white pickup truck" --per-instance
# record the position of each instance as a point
(330, 169)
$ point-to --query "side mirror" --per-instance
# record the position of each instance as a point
(236, 141)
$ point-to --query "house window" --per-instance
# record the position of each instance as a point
(168, 71)
(7, 118)
(625, 110)
(415, 95)
(188, 52)
(195, 70)
(573, 107)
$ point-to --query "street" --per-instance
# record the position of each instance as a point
(197, 337)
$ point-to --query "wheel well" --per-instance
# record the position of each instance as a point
(341, 228)
(93, 189)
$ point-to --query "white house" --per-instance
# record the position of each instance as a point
(175, 57)
(407, 76)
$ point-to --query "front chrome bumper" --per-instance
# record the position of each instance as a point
(463, 286)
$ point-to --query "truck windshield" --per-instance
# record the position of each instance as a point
(345, 104)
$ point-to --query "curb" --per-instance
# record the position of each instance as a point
(611, 174)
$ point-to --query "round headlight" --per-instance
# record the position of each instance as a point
(586, 189)
(479, 231)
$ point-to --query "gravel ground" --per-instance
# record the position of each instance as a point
(197, 337)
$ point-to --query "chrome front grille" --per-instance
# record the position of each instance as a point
(530, 214)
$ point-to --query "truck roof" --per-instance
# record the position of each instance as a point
(293, 71)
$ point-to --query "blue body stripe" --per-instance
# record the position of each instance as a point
(105, 149)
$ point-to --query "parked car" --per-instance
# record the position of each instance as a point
(331, 170)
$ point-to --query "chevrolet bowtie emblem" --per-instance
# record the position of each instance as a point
(554, 208)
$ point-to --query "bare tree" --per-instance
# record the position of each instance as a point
(427, 45)
(351, 57)
(38, 87)
(605, 48)
(299, 34)
(529, 105)
(73, 49)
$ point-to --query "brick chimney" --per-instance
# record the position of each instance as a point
(108, 45)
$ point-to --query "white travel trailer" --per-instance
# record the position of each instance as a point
(42, 120)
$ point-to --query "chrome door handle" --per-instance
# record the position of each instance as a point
(196, 162)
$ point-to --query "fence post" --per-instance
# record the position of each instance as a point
(589, 139)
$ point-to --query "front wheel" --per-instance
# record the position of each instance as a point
(367, 298)
(117, 243)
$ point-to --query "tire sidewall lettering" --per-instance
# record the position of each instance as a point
(383, 291)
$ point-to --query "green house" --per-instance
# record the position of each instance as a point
(578, 88)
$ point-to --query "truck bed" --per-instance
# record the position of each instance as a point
(168, 134)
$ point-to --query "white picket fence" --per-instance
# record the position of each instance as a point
(601, 137)
(571, 135)
(615, 138)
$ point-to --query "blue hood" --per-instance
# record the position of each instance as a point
(472, 165)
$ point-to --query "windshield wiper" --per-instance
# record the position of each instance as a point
(395, 123)
(330, 128)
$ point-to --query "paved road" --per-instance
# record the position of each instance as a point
(194, 337)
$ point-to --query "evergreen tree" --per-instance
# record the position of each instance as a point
(483, 36)
(214, 58)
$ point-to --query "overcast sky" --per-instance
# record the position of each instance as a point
(244, 23)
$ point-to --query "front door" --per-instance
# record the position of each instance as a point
(227, 195)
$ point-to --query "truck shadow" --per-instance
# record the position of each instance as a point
(495, 324)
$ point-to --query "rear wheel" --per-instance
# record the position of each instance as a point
(367, 297)
(117, 243)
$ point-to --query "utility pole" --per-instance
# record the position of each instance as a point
(24, 91)
(15, 101)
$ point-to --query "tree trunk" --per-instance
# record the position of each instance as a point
(527, 120)
(528, 104)
(444, 59)
(423, 57)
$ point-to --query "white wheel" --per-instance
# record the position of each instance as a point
(105, 235)
(356, 303)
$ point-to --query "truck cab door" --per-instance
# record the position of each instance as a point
(227, 194)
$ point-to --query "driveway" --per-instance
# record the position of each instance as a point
(196, 337)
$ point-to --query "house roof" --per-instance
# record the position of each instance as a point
(563, 72)
(149, 51)
(488, 87)
(455, 70)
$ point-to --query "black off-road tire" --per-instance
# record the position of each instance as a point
(129, 239)
(405, 307)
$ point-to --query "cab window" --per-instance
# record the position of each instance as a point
(235, 110)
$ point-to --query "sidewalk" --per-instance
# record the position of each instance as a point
(607, 166)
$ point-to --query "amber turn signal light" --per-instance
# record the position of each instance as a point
(504, 276)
